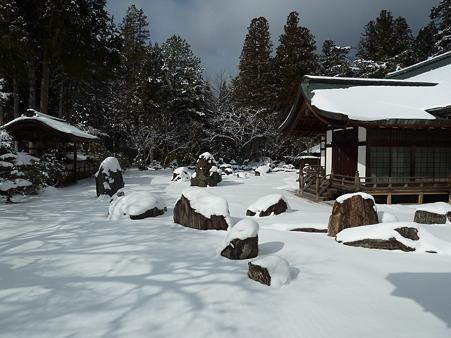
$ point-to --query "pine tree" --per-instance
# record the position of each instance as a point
(253, 87)
(441, 19)
(425, 42)
(334, 60)
(295, 57)
(386, 44)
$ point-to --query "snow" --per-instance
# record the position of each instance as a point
(182, 174)
(68, 271)
(207, 156)
(109, 164)
(52, 122)
(344, 197)
(263, 203)
(388, 101)
(278, 269)
(440, 208)
(134, 203)
(263, 169)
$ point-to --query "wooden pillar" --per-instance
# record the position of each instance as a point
(317, 183)
(356, 181)
(301, 181)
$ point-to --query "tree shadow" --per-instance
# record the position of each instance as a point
(432, 291)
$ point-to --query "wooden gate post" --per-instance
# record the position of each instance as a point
(356, 181)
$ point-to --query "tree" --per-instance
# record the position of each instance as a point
(387, 42)
(441, 19)
(425, 42)
(295, 57)
(334, 60)
(253, 87)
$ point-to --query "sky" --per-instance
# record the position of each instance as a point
(216, 29)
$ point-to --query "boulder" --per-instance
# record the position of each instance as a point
(271, 270)
(241, 241)
(262, 170)
(352, 210)
(268, 205)
(201, 210)
(434, 213)
(109, 177)
(135, 205)
(207, 174)
(181, 174)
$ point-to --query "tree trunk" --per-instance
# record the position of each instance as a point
(16, 95)
(2, 114)
(32, 83)
(44, 104)
(61, 100)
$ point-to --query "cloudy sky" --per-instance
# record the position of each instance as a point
(216, 29)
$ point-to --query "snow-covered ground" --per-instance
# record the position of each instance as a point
(68, 271)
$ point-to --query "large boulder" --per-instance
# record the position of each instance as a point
(242, 240)
(352, 210)
(135, 205)
(207, 174)
(270, 270)
(201, 210)
(434, 213)
(109, 177)
(273, 204)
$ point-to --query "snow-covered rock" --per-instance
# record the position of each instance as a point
(201, 210)
(273, 204)
(241, 241)
(262, 170)
(270, 270)
(434, 213)
(135, 205)
(181, 174)
(207, 173)
(109, 177)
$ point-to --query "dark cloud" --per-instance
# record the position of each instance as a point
(216, 29)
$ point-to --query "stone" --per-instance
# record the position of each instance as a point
(270, 270)
(314, 230)
(389, 244)
(135, 205)
(242, 241)
(352, 210)
(181, 174)
(207, 174)
(262, 170)
(273, 204)
(109, 177)
(428, 217)
(187, 215)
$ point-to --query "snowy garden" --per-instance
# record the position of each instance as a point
(74, 264)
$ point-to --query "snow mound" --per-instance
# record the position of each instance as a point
(385, 217)
(440, 208)
(278, 268)
(263, 170)
(133, 204)
(386, 231)
(207, 204)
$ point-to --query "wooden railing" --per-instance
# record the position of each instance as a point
(314, 181)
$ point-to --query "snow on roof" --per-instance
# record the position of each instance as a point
(51, 121)
(388, 99)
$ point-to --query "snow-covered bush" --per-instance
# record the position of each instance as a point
(19, 174)
(53, 169)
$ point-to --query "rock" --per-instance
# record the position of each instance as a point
(427, 217)
(310, 230)
(207, 174)
(226, 169)
(433, 213)
(109, 177)
(242, 240)
(135, 205)
(392, 243)
(262, 170)
(268, 205)
(270, 270)
(352, 210)
(181, 175)
(201, 210)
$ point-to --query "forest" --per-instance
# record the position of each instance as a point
(151, 101)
